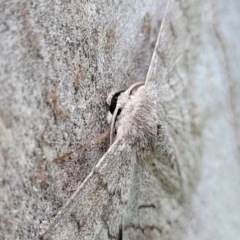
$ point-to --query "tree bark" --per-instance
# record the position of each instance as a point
(60, 60)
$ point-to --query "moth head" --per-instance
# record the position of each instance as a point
(116, 101)
(112, 100)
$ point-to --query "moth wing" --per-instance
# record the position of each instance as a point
(97, 206)
(169, 83)
(162, 186)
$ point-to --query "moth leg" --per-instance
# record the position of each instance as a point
(112, 123)
(94, 141)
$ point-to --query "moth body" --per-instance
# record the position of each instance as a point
(141, 126)
(136, 118)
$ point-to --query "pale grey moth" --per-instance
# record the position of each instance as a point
(138, 188)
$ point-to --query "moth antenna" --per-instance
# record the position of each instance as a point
(133, 86)
(66, 209)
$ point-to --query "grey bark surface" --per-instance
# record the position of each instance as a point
(59, 61)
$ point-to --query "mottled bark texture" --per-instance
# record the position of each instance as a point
(58, 63)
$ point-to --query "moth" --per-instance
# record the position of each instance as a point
(139, 137)
(122, 197)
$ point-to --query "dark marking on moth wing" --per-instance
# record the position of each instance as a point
(120, 234)
(114, 102)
